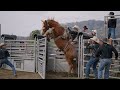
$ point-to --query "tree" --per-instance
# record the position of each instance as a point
(33, 33)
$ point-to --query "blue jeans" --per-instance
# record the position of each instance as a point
(92, 62)
(111, 33)
(6, 61)
(104, 64)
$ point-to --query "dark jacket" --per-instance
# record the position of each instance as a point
(112, 23)
(2, 55)
(94, 48)
(6, 53)
(105, 51)
(73, 34)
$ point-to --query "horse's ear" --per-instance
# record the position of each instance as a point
(52, 18)
(45, 21)
(48, 18)
(42, 21)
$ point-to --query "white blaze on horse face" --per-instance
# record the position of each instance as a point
(49, 31)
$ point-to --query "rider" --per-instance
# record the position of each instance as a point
(75, 33)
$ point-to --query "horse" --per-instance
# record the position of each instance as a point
(52, 28)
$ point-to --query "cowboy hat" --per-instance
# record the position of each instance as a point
(105, 40)
(2, 44)
(95, 39)
(111, 13)
(85, 27)
(76, 27)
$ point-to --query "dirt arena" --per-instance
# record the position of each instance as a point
(8, 74)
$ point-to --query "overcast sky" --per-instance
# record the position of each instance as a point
(23, 22)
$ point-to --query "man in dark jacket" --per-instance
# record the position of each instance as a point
(111, 26)
(93, 60)
(105, 53)
(4, 59)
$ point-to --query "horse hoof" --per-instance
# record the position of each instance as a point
(71, 75)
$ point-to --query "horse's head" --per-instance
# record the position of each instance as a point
(52, 29)
(48, 26)
(46, 29)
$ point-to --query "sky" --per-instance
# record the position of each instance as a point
(21, 23)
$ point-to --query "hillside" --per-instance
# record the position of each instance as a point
(95, 24)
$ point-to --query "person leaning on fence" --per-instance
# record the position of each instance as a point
(85, 29)
(4, 58)
(74, 33)
(94, 32)
(111, 26)
(105, 52)
(93, 60)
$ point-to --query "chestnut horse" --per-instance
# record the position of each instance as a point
(54, 29)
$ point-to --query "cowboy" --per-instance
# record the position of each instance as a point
(111, 26)
(75, 33)
(85, 29)
(105, 52)
(94, 45)
(4, 59)
(94, 32)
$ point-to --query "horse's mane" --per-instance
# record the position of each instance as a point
(52, 20)
(61, 29)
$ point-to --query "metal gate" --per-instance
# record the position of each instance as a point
(41, 57)
(84, 57)
(80, 57)
(22, 54)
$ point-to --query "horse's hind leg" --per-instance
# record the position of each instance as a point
(74, 69)
(71, 68)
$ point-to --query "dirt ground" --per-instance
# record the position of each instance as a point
(59, 75)
(8, 74)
